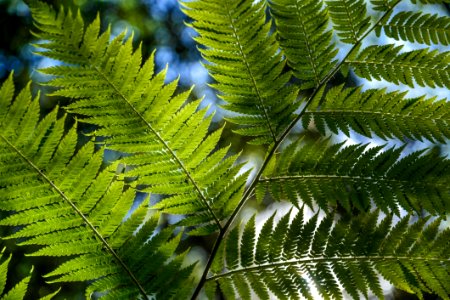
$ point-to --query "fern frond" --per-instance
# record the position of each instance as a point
(244, 60)
(419, 27)
(418, 67)
(387, 115)
(304, 38)
(349, 18)
(60, 200)
(140, 115)
(355, 175)
(286, 257)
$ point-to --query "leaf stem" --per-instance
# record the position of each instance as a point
(272, 149)
(307, 260)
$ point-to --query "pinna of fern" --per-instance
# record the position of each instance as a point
(285, 258)
(111, 87)
(355, 176)
(387, 115)
(63, 201)
(305, 39)
(244, 60)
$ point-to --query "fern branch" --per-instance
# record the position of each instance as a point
(163, 142)
(375, 111)
(249, 70)
(350, 19)
(283, 256)
(244, 60)
(418, 27)
(418, 67)
(309, 260)
(271, 151)
(304, 38)
(356, 176)
(168, 138)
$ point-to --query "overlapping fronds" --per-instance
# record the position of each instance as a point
(62, 201)
(285, 258)
(388, 115)
(354, 176)
(244, 60)
(304, 38)
(414, 68)
(168, 137)
(19, 290)
(349, 18)
(419, 27)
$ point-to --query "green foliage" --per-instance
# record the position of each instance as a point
(349, 18)
(63, 202)
(274, 64)
(110, 86)
(356, 175)
(285, 258)
(418, 27)
(244, 60)
(388, 115)
(414, 68)
(304, 38)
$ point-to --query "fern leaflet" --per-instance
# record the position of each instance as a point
(244, 60)
(418, 27)
(286, 257)
(387, 115)
(349, 18)
(304, 38)
(356, 175)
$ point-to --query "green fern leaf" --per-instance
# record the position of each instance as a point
(244, 60)
(349, 18)
(418, 27)
(356, 175)
(418, 67)
(304, 38)
(387, 115)
(141, 116)
(63, 202)
(350, 254)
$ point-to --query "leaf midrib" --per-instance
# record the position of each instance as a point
(325, 111)
(307, 260)
(163, 142)
(77, 211)
(319, 177)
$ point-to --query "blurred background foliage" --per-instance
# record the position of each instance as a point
(157, 24)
